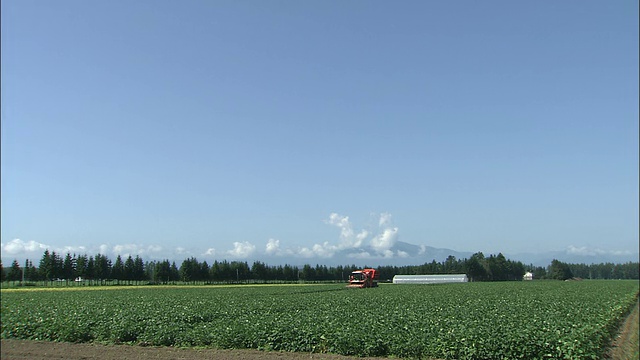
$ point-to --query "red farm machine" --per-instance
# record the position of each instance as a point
(365, 278)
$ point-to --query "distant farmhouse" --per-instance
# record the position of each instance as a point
(528, 276)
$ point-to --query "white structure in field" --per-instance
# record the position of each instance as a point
(528, 276)
(430, 279)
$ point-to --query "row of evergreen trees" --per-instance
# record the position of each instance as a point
(477, 267)
(100, 268)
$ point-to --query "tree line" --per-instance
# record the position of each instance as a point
(477, 268)
(99, 269)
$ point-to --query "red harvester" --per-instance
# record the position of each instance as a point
(365, 278)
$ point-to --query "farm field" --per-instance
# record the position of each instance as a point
(532, 320)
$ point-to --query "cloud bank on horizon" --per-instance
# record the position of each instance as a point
(363, 244)
(375, 243)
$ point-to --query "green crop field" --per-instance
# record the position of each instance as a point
(528, 320)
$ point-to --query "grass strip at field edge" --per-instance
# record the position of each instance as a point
(125, 287)
(626, 345)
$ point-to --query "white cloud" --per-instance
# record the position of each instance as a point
(361, 237)
(19, 247)
(30, 249)
(360, 255)
(402, 254)
(387, 254)
(342, 222)
(579, 250)
(74, 249)
(325, 250)
(586, 251)
(305, 252)
(273, 247)
(103, 249)
(373, 242)
(385, 219)
(620, 252)
(242, 249)
(423, 249)
(348, 238)
(385, 240)
(126, 250)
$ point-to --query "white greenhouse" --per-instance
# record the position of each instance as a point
(430, 279)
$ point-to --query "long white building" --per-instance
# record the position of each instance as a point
(430, 279)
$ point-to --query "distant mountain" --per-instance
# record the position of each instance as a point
(400, 254)
(403, 254)
(428, 253)
(420, 254)
(410, 254)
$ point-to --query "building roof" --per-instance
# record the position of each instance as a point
(430, 278)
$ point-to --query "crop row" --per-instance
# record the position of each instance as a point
(529, 320)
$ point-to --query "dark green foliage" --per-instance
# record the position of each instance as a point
(539, 272)
(82, 266)
(629, 270)
(102, 267)
(190, 270)
(69, 267)
(99, 270)
(174, 273)
(46, 266)
(477, 267)
(138, 269)
(30, 271)
(559, 270)
(161, 274)
(129, 269)
(15, 272)
(91, 268)
(507, 320)
(117, 270)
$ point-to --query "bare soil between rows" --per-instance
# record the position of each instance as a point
(41, 350)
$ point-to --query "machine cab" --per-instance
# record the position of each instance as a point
(357, 276)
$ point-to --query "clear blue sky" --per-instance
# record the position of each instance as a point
(254, 129)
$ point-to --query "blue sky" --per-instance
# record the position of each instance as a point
(264, 129)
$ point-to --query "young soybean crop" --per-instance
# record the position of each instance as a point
(527, 320)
